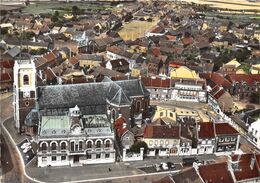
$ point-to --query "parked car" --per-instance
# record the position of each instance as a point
(170, 165)
(164, 166)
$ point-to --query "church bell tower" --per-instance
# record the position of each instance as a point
(24, 96)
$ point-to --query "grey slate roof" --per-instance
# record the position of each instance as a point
(90, 97)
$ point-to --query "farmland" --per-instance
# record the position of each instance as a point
(231, 4)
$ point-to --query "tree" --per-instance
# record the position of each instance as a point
(136, 147)
(4, 30)
(75, 10)
(242, 54)
(55, 17)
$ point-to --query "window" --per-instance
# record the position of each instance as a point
(72, 146)
(113, 114)
(138, 106)
(233, 139)
(98, 156)
(161, 142)
(98, 145)
(53, 158)
(227, 139)
(26, 80)
(63, 146)
(107, 155)
(171, 114)
(221, 139)
(88, 156)
(150, 142)
(89, 144)
(156, 142)
(53, 146)
(44, 147)
(80, 145)
(44, 159)
(107, 143)
(167, 142)
(161, 113)
(63, 158)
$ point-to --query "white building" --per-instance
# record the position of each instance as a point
(75, 141)
(254, 130)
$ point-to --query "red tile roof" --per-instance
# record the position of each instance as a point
(225, 129)
(187, 40)
(248, 78)
(73, 60)
(49, 57)
(217, 78)
(216, 173)
(245, 171)
(162, 131)
(206, 130)
(5, 77)
(6, 64)
(156, 82)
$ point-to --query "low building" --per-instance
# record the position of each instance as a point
(89, 60)
(162, 140)
(206, 138)
(254, 131)
(120, 65)
(227, 138)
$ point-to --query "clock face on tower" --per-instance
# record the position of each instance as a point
(26, 94)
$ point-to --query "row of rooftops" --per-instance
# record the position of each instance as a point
(238, 168)
(206, 130)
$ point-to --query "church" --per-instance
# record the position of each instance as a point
(73, 123)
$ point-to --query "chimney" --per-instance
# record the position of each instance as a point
(252, 163)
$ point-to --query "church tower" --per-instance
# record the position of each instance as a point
(24, 91)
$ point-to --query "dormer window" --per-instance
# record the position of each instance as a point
(26, 80)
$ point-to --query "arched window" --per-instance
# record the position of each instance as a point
(72, 146)
(26, 80)
(138, 106)
(63, 145)
(44, 146)
(53, 146)
(89, 144)
(113, 114)
(107, 143)
(80, 145)
(98, 145)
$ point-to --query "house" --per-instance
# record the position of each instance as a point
(159, 88)
(254, 131)
(125, 136)
(120, 65)
(191, 90)
(186, 139)
(179, 89)
(244, 168)
(138, 70)
(244, 85)
(216, 173)
(99, 73)
(6, 81)
(206, 138)
(100, 44)
(162, 140)
(119, 53)
(189, 175)
(219, 98)
(227, 138)
(89, 60)
(73, 140)
(230, 68)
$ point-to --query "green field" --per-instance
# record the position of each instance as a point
(37, 8)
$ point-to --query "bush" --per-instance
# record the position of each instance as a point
(136, 147)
